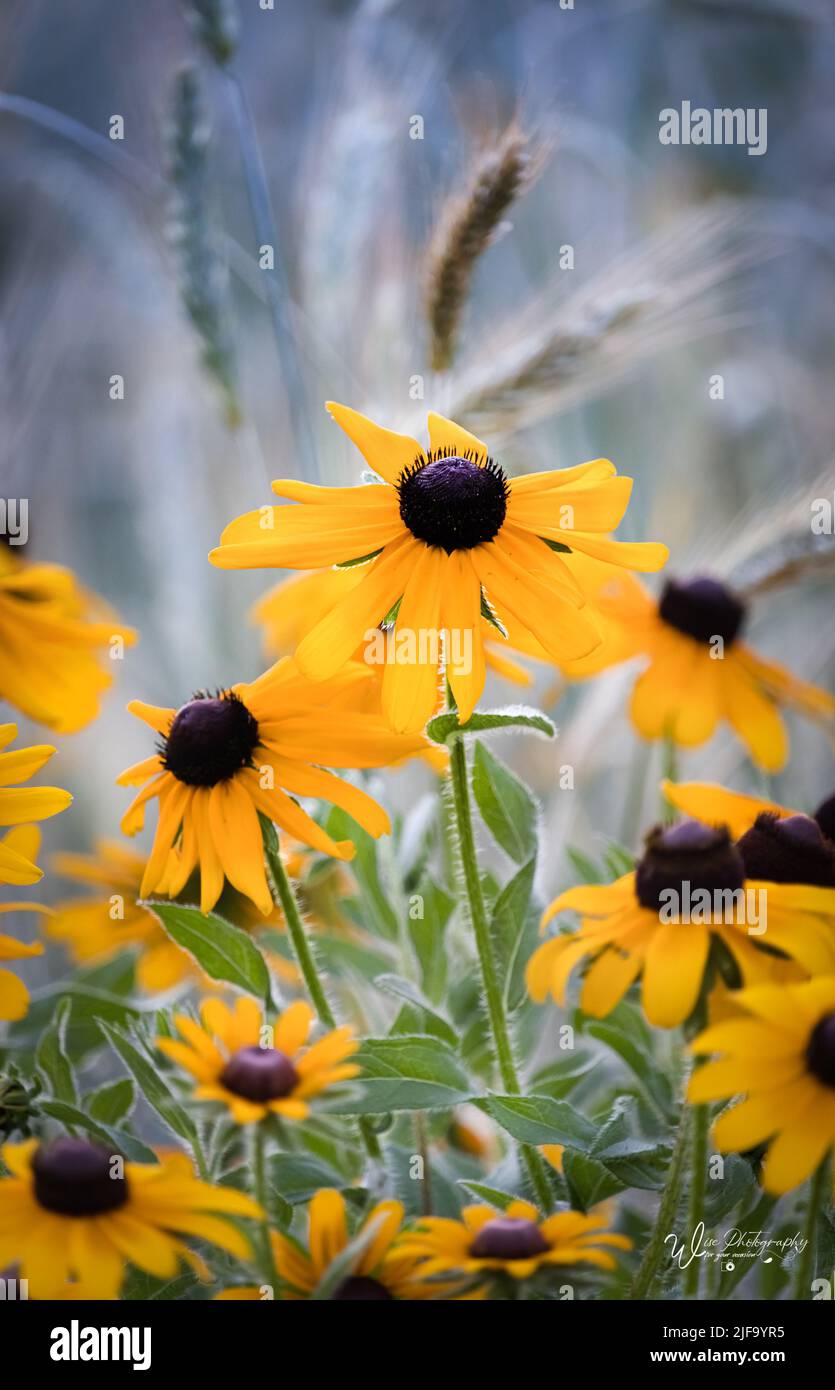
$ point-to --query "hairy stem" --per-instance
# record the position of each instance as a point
(645, 1277)
(477, 911)
(806, 1262)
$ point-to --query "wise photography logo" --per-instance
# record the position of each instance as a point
(732, 1247)
(82, 1343)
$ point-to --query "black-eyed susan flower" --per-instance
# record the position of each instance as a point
(487, 1244)
(294, 606)
(444, 536)
(54, 639)
(697, 670)
(233, 1063)
(381, 1272)
(780, 1058)
(689, 889)
(222, 759)
(73, 1214)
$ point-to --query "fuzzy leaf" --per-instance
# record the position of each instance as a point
(112, 1102)
(404, 989)
(153, 1087)
(540, 1120)
(223, 951)
(405, 1073)
(507, 807)
(52, 1058)
(445, 726)
(118, 1140)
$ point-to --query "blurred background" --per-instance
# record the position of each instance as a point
(138, 257)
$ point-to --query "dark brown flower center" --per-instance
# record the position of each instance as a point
(77, 1178)
(509, 1238)
(452, 502)
(360, 1289)
(825, 817)
(210, 740)
(792, 850)
(702, 608)
(820, 1054)
(692, 853)
(259, 1073)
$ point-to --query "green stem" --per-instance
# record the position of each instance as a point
(298, 936)
(304, 957)
(806, 1262)
(645, 1277)
(259, 1182)
(669, 771)
(698, 1167)
(633, 806)
(489, 975)
(696, 1205)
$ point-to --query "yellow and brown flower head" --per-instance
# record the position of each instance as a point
(517, 1242)
(73, 1214)
(443, 537)
(698, 672)
(232, 1063)
(780, 1057)
(54, 637)
(631, 928)
(226, 757)
(382, 1272)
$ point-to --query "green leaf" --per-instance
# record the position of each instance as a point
(510, 917)
(493, 1195)
(559, 1078)
(540, 1120)
(360, 560)
(444, 726)
(507, 807)
(152, 1086)
(556, 545)
(405, 1073)
(223, 951)
(737, 1184)
(112, 1102)
(404, 989)
(52, 1058)
(377, 895)
(583, 866)
(588, 1180)
(118, 1140)
(427, 933)
(296, 1177)
(644, 1066)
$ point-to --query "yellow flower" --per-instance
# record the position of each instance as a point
(18, 851)
(97, 928)
(54, 637)
(294, 606)
(254, 748)
(638, 925)
(781, 1058)
(517, 1242)
(444, 532)
(72, 1214)
(698, 672)
(381, 1271)
(227, 1059)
